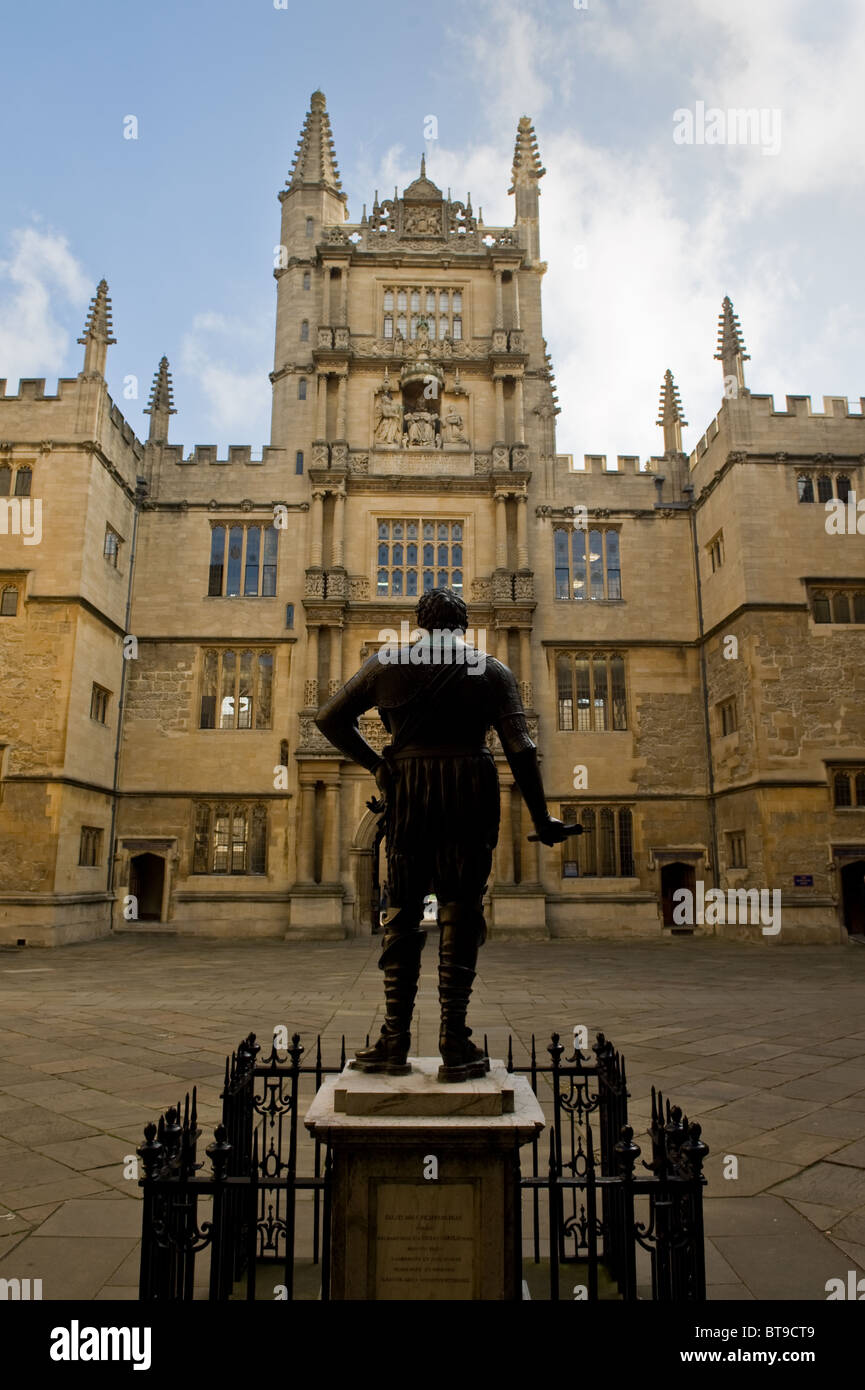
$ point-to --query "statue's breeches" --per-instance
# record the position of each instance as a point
(441, 826)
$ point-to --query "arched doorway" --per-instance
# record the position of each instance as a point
(853, 897)
(147, 884)
(369, 872)
(673, 877)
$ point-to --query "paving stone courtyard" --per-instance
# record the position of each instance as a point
(765, 1046)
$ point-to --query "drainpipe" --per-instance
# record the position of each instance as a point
(713, 824)
(140, 494)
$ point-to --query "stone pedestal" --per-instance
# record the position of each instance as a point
(423, 1200)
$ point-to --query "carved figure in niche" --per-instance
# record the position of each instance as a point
(452, 427)
(421, 432)
(387, 430)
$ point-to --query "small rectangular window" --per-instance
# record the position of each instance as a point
(23, 479)
(111, 546)
(736, 850)
(298, 461)
(822, 612)
(99, 704)
(9, 601)
(90, 847)
(727, 717)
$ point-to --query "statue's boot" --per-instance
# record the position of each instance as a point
(400, 960)
(462, 931)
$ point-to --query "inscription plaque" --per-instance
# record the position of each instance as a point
(425, 1242)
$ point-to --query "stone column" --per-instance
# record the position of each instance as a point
(519, 411)
(342, 390)
(526, 656)
(325, 298)
(306, 834)
(516, 284)
(501, 531)
(503, 644)
(529, 850)
(330, 867)
(506, 836)
(500, 316)
(500, 409)
(522, 531)
(321, 407)
(317, 529)
(335, 660)
(310, 694)
(339, 530)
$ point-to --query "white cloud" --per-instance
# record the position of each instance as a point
(668, 231)
(40, 276)
(237, 400)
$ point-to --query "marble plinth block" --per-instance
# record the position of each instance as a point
(424, 1203)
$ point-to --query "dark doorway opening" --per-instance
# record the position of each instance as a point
(853, 897)
(675, 876)
(146, 883)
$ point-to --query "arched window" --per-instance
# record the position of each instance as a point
(822, 612)
(301, 389)
(307, 280)
(23, 479)
(5, 479)
(824, 488)
(304, 331)
(9, 601)
(806, 488)
(840, 607)
(842, 789)
(298, 461)
(842, 487)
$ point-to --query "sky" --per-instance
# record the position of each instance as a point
(643, 232)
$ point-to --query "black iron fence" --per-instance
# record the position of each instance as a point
(622, 1228)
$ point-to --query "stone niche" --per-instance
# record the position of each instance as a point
(419, 414)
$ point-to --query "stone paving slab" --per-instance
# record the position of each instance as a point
(766, 1047)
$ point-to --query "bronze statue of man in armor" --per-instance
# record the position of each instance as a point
(438, 699)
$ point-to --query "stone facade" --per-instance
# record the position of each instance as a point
(674, 623)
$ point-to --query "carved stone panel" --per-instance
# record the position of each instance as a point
(524, 586)
(337, 584)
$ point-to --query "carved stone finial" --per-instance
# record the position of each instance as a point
(315, 157)
(670, 415)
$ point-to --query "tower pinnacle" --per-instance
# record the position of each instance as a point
(315, 157)
(670, 415)
(98, 330)
(731, 349)
(526, 173)
(161, 403)
(527, 160)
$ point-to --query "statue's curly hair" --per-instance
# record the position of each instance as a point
(442, 609)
